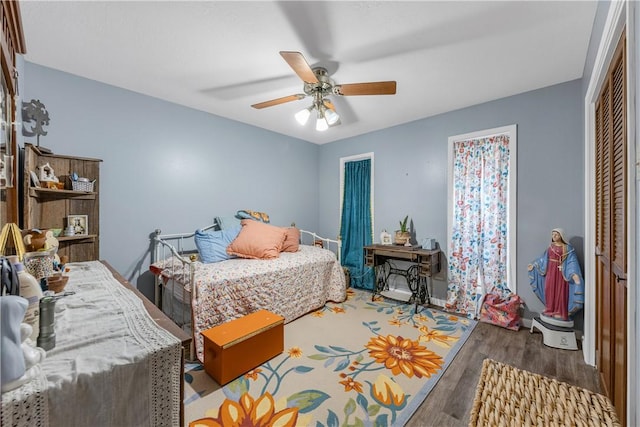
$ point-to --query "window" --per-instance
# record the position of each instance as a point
(356, 216)
(481, 217)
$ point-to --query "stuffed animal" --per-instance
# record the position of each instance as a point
(37, 240)
(34, 240)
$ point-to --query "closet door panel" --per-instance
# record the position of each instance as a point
(611, 232)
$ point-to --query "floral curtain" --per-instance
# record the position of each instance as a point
(355, 228)
(478, 247)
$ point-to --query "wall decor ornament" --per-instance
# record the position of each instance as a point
(46, 173)
(36, 115)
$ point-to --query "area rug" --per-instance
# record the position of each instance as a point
(509, 396)
(360, 362)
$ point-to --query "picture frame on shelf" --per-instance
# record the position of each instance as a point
(34, 179)
(6, 171)
(79, 223)
(3, 170)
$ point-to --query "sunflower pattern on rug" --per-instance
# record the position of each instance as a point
(359, 362)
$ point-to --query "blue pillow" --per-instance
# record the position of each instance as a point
(212, 245)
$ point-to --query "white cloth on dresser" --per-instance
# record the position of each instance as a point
(112, 365)
(27, 406)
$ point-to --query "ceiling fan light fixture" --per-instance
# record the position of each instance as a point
(302, 116)
(321, 123)
(331, 116)
(318, 84)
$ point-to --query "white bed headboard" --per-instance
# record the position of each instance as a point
(313, 239)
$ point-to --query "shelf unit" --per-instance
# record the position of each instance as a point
(46, 208)
(11, 44)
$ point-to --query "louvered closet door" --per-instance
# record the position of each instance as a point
(611, 232)
(603, 238)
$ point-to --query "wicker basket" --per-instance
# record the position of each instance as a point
(402, 237)
(82, 186)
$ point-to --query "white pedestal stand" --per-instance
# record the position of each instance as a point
(554, 335)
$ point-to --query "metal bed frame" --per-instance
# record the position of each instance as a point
(177, 245)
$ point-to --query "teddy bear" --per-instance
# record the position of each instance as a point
(37, 240)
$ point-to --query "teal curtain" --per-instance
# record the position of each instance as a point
(355, 228)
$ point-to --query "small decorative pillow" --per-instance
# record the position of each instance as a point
(257, 240)
(258, 216)
(292, 241)
(212, 245)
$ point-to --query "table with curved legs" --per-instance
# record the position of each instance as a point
(423, 264)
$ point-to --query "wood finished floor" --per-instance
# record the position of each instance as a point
(449, 403)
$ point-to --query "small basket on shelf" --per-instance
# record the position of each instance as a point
(82, 185)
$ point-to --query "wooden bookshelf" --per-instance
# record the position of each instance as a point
(46, 208)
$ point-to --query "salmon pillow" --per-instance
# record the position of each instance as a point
(257, 240)
(292, 241)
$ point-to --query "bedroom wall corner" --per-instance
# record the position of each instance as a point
(170, 167)
(411, 173)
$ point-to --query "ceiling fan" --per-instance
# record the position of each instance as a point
(319, 85)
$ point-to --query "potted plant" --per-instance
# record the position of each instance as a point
(403, 235)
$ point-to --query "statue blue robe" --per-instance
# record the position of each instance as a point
(570, 266)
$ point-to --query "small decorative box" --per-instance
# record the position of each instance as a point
(82, 185)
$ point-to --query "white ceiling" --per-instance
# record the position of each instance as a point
(223, 56)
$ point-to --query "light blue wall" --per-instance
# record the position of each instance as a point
(411, 173)
(170, 167)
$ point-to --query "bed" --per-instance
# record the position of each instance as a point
(197, 295)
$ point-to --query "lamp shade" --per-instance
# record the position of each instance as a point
(302, 116)
(331, 116)
(326, 116)
(321, 123)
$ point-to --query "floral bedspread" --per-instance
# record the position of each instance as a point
(290, 286)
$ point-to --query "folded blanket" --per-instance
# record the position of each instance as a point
(258, 216)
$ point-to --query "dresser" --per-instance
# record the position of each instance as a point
(117, 360)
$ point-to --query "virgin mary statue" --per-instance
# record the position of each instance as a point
(556, 279)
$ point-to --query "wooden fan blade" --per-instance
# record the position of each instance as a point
(371, 88)
(329, 104)
(278, 101)
(300, 66)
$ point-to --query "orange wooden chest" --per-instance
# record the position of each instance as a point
(236, 347)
